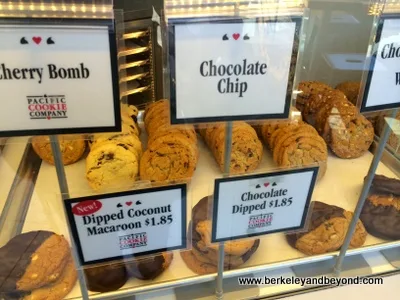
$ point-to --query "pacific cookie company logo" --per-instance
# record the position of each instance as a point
(261, 220)
(47, 107)
(133, 240)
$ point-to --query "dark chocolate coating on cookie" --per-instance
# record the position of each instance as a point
(201, 212)
(321, 212)
(146, 268)
(382, 221)
(15, 257)
(106, 278)
(383, 184)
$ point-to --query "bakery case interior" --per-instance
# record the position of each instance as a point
(150, 151)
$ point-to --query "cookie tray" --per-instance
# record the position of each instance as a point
(340, 186)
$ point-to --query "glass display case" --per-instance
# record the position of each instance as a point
(350, 217)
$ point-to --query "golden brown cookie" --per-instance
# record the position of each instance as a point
(269, 128)
(316, 102)
(210, 256)
(72, 148)
(281, 130)
(339, 108)
(111, 166)
(187, 130)
(131, 110)
(153, 105)
(289, 135)
(246, 153)
(128, 141)
(160, 108)
(308, 89)
(58, 289)
(170, 157)
(350, 137)
(305, 151)
(360, 234)
(236, 247)
(326, 232)
(196, 265)
(203, 257)
(350, 89)
(161, 120)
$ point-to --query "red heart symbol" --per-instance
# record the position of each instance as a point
(48, 118)
(129, 203)
(37, 39)
(236, 36)
(266, 184)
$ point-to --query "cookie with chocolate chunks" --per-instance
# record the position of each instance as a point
(32, 260)
(326, 232)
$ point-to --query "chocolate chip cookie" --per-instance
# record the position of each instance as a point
(169, 158)
(111, 166)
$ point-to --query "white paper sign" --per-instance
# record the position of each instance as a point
(254, 205)
(230, 70)
(57, 79)
(382, 89)
(141, 222)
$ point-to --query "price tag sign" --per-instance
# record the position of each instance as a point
(58, 79)
(254, 205)
(128, 224)
(382, 88)
(225, 70)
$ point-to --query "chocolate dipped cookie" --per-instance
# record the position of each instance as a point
(381, 211)
(149, 267)
(203, 257)
(106, 278)
(59, 289)
(34, 263)
(327, 230)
